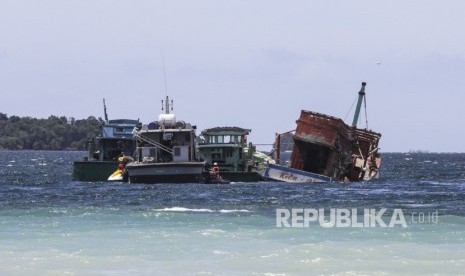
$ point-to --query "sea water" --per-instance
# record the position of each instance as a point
(51, 225)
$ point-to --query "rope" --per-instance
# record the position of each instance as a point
(350, 109)
(154, 143)
(365, 103)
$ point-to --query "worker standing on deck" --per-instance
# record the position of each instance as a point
(215, 169)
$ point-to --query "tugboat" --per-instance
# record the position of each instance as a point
(165, 152)
(326, 149)
(115, 140)
(227, 148)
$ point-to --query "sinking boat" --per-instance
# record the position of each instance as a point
(327, 149)
(116, 139)
(165, 152)
(237, 160)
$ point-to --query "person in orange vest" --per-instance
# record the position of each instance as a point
(215, 171)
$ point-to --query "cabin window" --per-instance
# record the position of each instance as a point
(217, 155)
(107, 132)
(177, 151)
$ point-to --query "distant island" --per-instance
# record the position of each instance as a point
(61, 133)
(53, 133)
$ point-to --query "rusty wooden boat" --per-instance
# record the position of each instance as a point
(327, 149)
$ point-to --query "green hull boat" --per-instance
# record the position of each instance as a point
(91, 171)
(227, 148)
(116, 140)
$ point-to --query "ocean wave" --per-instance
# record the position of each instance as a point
(183, 209)
(219, 252)
(201, 210)
(213, 232)
(235, 211)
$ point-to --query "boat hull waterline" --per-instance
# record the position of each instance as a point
(176, 172)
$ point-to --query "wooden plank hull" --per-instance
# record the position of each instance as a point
(326, 146)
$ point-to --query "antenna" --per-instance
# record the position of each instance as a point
(166, 105)
(164, 73)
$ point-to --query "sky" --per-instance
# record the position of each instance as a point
(251, 64)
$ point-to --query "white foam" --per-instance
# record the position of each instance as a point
(182, 209)
(234, 211)
(212, 232)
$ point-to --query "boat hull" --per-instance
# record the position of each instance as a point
(285, 174)
(236, 177)
(175, 172)
(92, 171)
(242, 176)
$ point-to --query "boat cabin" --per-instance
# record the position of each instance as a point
(226, 146)
(116, 137)
(166, 141)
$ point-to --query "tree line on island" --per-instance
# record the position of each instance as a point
(61, 133)
(53, 133)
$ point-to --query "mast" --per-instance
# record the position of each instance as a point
(105, 111)
(166, 105)
(278, 148)
(361, 95)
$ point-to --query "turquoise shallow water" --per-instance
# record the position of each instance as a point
(50, 225)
